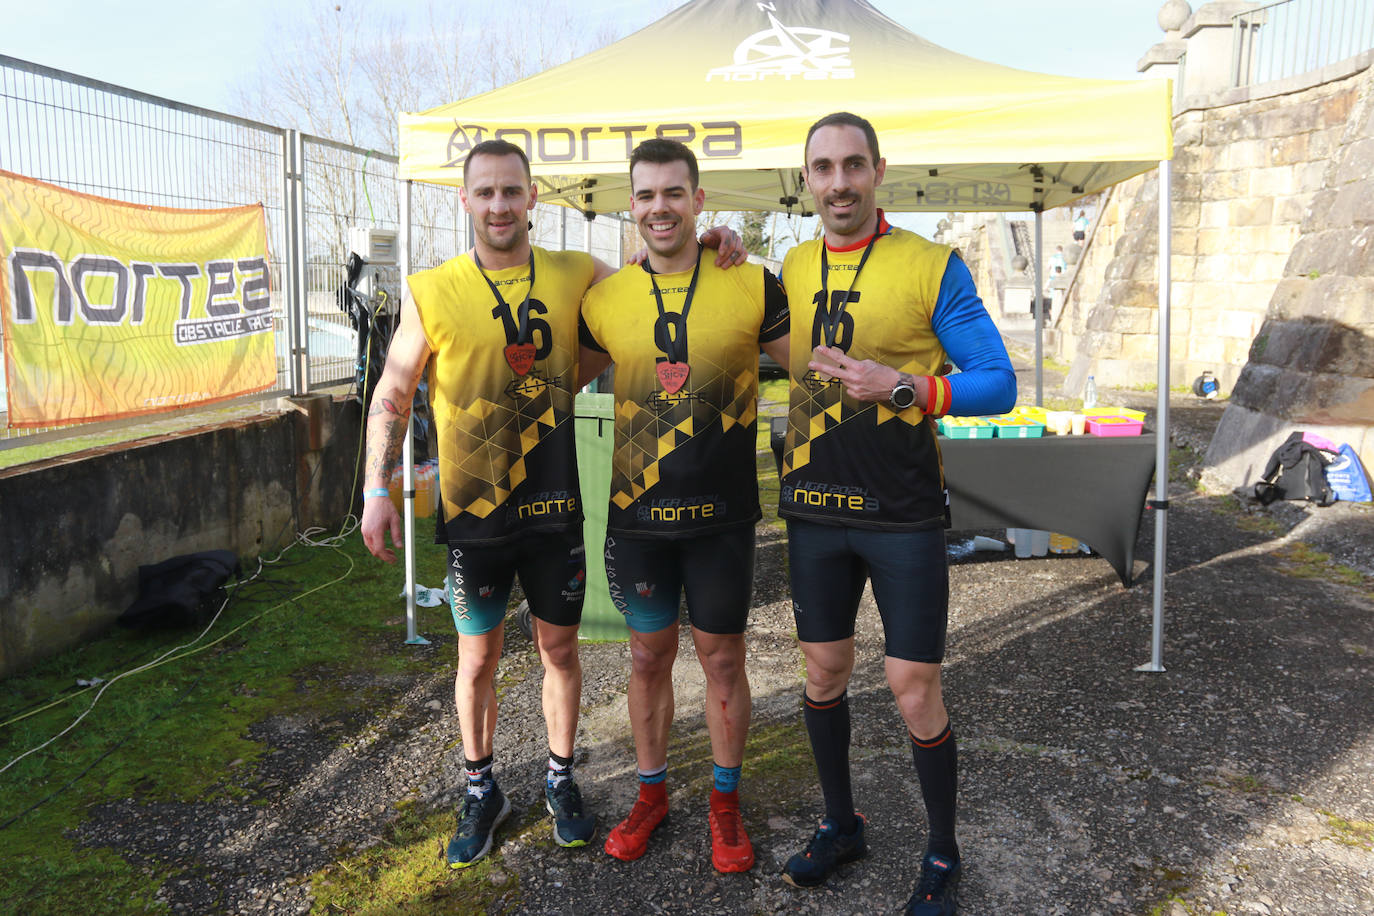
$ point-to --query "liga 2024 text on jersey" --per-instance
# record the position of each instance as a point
(684, 461)
(506, 446)
(859, 463)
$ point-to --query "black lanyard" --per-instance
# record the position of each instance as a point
(686, 307)
(831, 323)
(524, 312)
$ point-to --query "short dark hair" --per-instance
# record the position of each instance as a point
(658, 150)
(497, 148)
(845, 119)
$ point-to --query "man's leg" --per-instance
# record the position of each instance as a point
(827, 582)
(728, 705)
(650, 583)
(651, 716)
(553, 573)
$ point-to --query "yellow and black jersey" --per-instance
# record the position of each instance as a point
(506, 449)
(853, 462)
(684, 460)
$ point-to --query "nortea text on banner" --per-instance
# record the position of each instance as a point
(114, 309)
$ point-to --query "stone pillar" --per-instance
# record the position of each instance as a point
(1208, 34)
(1162, 60)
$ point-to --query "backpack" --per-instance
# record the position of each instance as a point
(182, 591)
(1296, 470)
(1347, 477)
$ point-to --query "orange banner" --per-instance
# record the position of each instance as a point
(114, 309)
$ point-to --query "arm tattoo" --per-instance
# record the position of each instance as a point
(386, 432)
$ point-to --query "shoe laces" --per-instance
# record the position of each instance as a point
(568, 798)
(640, 813)
(823, 840)
(725, 822)
(932, 881)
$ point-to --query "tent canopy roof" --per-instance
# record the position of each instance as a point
(740, 83)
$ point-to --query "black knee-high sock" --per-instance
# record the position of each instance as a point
(937, 767)
(827, 723)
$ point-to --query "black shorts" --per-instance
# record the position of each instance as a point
(647, 576)
(1079, 235)
(553, 573)
(910, 575)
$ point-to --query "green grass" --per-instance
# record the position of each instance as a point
(180, 732)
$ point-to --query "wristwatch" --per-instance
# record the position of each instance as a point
(902, 397)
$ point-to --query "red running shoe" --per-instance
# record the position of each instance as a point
(731, 850)
(630, 838)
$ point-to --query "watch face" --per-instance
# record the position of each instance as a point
(903, 396)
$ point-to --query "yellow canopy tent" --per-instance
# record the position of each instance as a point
(740, 81)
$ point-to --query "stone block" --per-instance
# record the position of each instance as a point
(1255, 212)
(1272, 182)
(1311, 176)
(1241, 445)
(1140, 347)
(1186, 214)
(1291, 210)
(1351, 204)
(1180, 316)
(1225, 185)
(1231, 130)
(1181, 268)
(1286, 121)
(1315, 251)
(1240, 324)
(1215, 268)
(1247, 154)
(1335, 111)
(1256, 385)
(1207, 298)
(1290, 297)
(1288, 150)
(1353, 301)
(1210, 350)
(1213, 241)
(1108, 345)
(1236, 352)
(1336, 400)
(1135, 320)
(1319, 215)
(1214, 214)
(1251, 297)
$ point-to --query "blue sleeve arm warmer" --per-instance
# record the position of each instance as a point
(985, 383)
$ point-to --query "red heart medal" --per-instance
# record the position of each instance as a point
(520, 357)
(672, 375)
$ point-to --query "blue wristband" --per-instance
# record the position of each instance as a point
(376, 491)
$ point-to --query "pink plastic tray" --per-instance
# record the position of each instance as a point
(1114, 426)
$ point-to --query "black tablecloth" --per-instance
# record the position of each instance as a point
(1089, 487)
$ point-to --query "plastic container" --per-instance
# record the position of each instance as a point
(1113, 426)
(1059, 422)
(1020, 541)
(1115, 412)
(1090, 393)
(966, 428)
(1039, 542)
(1062, 543)
(1011, 426)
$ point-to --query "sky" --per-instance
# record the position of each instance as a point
(197, 52)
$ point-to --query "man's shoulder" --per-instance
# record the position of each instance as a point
(617, 284)
(800, 251)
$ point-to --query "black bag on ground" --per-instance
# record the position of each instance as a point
(1296, 470)
(182, 591)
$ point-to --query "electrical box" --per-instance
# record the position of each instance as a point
(375, 246)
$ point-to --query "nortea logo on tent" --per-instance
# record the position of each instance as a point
(787, 52)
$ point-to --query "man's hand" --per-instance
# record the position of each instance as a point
(729, 246)
(863, 379)
(379, 517)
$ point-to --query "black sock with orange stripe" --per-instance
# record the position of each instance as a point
(827, 723)
(937, 767)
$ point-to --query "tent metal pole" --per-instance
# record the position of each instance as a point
(413, 638)
(1035, 308)
(1160, 504)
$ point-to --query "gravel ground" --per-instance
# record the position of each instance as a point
(1240, 780)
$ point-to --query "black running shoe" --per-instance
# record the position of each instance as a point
(477, 823)
(935, 894)
(572, 826)
(827, 850)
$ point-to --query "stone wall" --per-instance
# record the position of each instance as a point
(78, 527)
(1311, 364)
(1245, 170)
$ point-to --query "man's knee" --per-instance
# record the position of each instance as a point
(723, 661)
(652, 655)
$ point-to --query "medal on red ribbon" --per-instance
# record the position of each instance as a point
(672, 375)
(520, 357)
(672, 372)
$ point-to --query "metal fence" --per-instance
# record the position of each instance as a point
(116, 142)
(1289, 37)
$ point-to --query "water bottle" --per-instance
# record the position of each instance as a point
(1090, 394)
